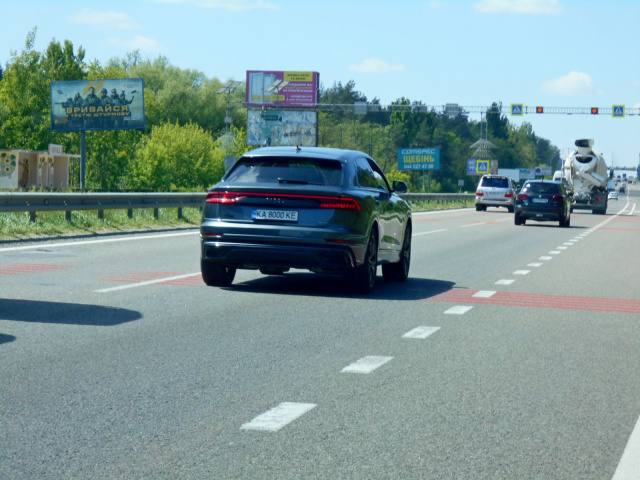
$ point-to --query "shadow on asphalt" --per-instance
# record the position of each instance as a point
(312, 284)
(6, 338)
(64, 313)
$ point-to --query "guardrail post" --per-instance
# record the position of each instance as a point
(130, 212)
(101, 214)
(67, 215)
(32, 216)
(156, 213)
(179, 213)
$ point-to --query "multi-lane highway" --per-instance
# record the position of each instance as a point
(512, 352)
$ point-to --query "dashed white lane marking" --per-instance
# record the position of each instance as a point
(427, 233)
(569, 244)
(276, 418)
(536, 264)
(148, 282)
(561, 248)
(554, 252)
(545, 258)
(521, 272)
(366, 364)
(629, 466)
(458, 310)
(505, 281)
(484, 294)
(421, 332)
(473, 224)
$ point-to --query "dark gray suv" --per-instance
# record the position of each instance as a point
(543, 200)
(321, 209)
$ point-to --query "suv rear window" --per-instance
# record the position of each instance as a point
(542, 188)
(495, 182)
(285, 170)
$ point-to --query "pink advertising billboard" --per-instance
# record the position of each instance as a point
(282, 89)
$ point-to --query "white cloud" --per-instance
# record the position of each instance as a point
(137, 43)
(229, 5)
(575, 83)
(375, 65)
(527, 7)
(108, 19)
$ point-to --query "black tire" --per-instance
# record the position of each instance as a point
(478, 208)
(216, 275)
(517, 220)
(363, 278)
(399, 272)
(563, 222)
(511, 209)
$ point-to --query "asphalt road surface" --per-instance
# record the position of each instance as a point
(511, 352)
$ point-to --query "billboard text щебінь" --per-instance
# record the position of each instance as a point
(418, 158)
(112, 104)
(282, 89)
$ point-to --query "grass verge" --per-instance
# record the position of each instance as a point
(17, 226)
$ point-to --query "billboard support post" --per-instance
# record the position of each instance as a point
(83, 157)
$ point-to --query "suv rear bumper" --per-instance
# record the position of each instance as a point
(328, 259)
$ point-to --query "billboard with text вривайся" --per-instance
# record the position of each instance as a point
(115, 104)
(282, 89)
(418, 159)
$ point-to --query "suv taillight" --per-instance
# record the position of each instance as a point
(338, 203)
(558, 198)
(479, 194)
(523, 196)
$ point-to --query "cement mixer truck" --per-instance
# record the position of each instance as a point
(584, 172)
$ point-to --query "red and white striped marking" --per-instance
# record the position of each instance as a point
(566, 302)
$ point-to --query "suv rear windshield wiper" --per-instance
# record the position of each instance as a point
(297, 182)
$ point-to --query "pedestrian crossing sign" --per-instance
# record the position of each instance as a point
(617, 111)
(482, 167)
(517, 109)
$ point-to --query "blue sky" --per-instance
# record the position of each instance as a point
(552, 53)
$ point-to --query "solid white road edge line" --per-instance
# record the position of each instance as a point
(427, 233)
(148, 282)
(104, 240)
(629, 466)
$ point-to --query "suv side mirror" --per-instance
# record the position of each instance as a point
(400, 187)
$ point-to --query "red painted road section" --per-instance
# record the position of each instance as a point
(515, 299)
(20, 268)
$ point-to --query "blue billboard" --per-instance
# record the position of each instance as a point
(418, 158)
(110, 104)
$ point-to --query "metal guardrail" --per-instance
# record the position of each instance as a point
(68, 202)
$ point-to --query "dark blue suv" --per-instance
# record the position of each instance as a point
(543, 200)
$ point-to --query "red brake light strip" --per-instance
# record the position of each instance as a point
(324, 202)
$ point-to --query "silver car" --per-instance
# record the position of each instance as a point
(495, 191)
(325, 210)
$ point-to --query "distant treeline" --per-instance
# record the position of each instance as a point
(185, 140)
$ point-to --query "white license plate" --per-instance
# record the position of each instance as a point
(540, 200)
(275, 215)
